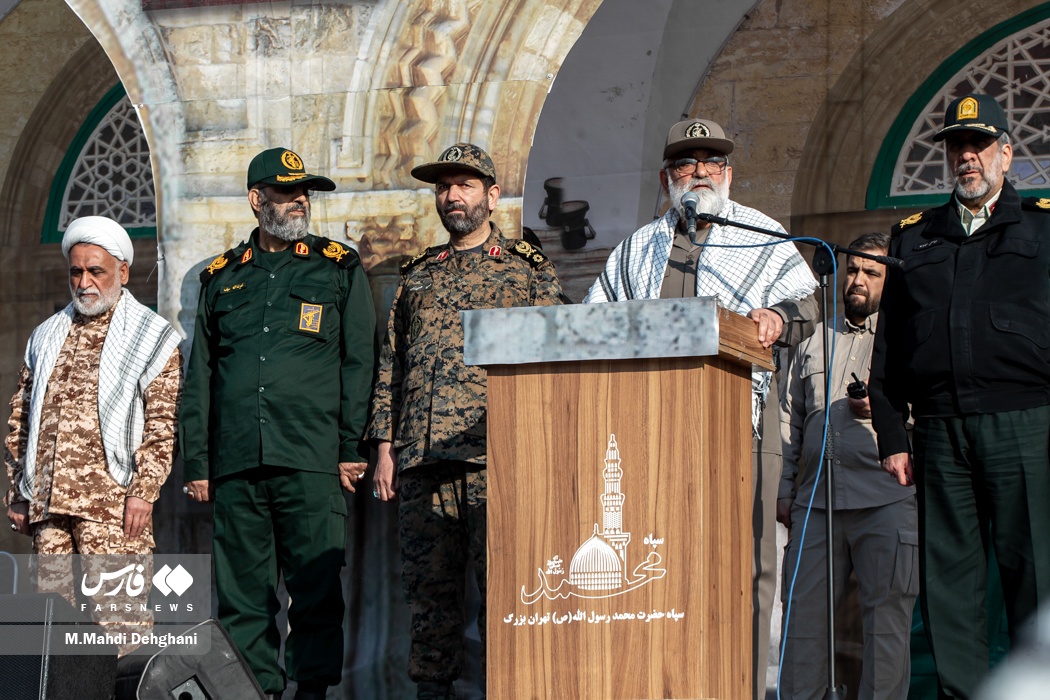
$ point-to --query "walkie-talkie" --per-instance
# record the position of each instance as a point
(856, 389)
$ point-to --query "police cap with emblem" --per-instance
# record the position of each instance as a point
(980, 113)
(462, 156)
(279, 166)
(696, 133)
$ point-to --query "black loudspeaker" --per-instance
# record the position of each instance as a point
(181, 672)
(43, 668)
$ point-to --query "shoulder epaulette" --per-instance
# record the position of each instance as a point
(1035, 204)
(343, 256)
(907, 223)
(407, 266)
(524, 249)
(220, 263)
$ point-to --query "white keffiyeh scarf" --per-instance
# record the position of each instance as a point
(744, 270)
(138, 345)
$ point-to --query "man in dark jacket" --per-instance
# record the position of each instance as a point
(962, 345)
(273, 422)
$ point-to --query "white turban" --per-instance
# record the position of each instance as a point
(101, 231)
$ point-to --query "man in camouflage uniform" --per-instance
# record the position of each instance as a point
(428, 412)
(93, 419)
(273, 422)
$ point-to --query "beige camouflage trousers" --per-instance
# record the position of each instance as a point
(104, 550)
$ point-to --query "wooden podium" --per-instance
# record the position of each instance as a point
(619, 499)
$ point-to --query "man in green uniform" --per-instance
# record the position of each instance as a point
(428, 412)
(272, 422)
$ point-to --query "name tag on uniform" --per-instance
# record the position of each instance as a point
(310, 318)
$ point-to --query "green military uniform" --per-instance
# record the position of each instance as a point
(431, 406)
(276, 396)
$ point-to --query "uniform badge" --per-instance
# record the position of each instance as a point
(335, 251)
(232, 288)
(913, 219)
(442, 255)
(247, 256)
(452, 155)
(494, 251)
(967, 109)
(302, 250)
(217, 264)
(417, 326)
(1043, 203)
(523, 247)
(291, 161)
(310, 318)
(697, 129)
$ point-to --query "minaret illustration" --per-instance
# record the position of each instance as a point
(600, 562)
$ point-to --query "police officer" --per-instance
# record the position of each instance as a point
(962, 346)
(272, 421)
(428, 412)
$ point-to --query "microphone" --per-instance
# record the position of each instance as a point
(690, 202)
(711, 218)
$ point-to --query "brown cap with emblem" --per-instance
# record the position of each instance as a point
(279, 166)
(980, 113)
(696, 133)
(462, 156)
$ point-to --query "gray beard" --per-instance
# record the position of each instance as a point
(712, 201)
(281, 226)
(101, 304)
(472, 221)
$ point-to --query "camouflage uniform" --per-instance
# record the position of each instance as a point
(432, 408)
(77, 506)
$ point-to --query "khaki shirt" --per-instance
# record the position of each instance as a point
(428, 403)
(72, 477)
(859, 481)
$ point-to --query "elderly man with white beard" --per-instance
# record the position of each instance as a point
(750, 274)
(93, 419)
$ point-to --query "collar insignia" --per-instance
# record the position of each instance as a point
(302, 250)
(494, 251)
(442, 255)
(247, 255)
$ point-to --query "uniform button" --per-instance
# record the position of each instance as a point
(853, 358)
(269, 303)
(266, 329)
(262, 358)
(838, 434)
(272, 275)
(262, 389)
(262, 420)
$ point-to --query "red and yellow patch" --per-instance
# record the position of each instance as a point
(302, 250)
(247, 256)
(442, 255)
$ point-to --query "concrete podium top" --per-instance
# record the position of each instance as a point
(621, 330)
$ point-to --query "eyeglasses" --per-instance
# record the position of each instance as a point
(687, 166)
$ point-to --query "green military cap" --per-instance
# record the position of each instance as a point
(696, 133)
(279, 166)
(462, 156)
(980, 113)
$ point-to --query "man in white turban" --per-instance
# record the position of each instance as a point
(93, 419)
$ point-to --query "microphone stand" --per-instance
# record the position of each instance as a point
(824, 263)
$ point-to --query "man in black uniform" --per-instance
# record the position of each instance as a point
(963, 338)
(272, 422)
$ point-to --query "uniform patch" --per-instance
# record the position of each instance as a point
(494, 251)
(232, 288)
(310, 318)
(697, 129)
(967, 110)
(913, 219)
(335, 251)
(217, 264)
(302, 250)
(291, 161)
(452, 155)
(247, 256)
(442, 255)
(928, 244)
(417, 326)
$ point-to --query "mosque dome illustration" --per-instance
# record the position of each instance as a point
(596, 565)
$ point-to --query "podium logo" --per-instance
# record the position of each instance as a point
(168, 580)
(601, 567)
